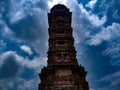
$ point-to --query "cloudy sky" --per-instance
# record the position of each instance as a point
(24, 41)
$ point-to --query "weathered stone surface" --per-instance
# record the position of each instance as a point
(62, 71)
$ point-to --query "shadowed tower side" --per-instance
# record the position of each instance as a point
(62, 71)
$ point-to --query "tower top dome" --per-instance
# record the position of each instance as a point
(59, 8)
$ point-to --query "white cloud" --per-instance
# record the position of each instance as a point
(26, 49)
(111, 77)
(5, 30)
(106, 34)
(93, 18)
(116, 14)
(113, 50)
(19, 9)
(92, 89)
(113, 81)
(16, 16)
(16, 11)
(54, 2)
(91, 4)
(2, 44)
(31, 84)
(33, 64)
(84, 22)
(19, 83)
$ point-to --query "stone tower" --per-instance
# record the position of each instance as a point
(62, 71)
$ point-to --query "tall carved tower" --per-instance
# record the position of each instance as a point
(62, 71)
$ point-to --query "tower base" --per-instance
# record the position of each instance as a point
(72, 78)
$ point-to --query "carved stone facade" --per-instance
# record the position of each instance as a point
(62, 71)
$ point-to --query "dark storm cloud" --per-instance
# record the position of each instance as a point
(20, 73)
(28, 27)
(9, 68)
(26, 21)
(25, 29)
(9, 64)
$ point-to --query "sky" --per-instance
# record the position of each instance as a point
(24, 41)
